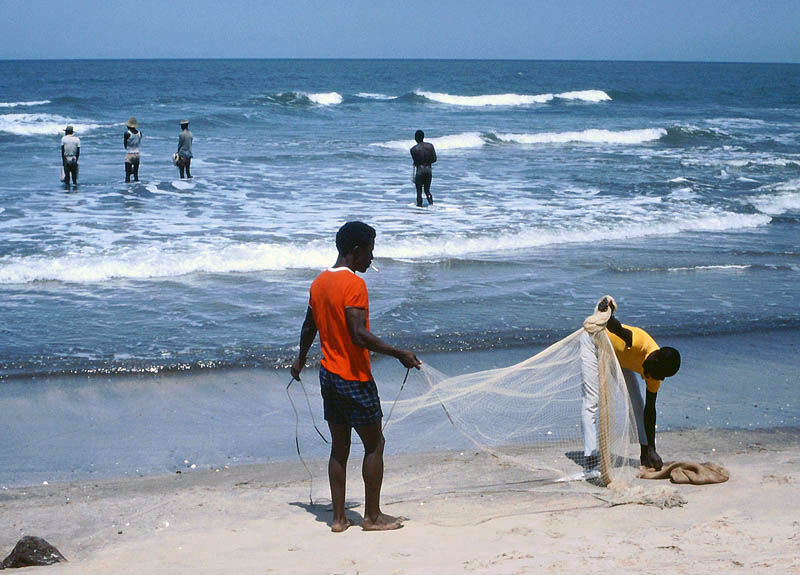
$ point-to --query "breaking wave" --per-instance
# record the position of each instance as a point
(374, 96)
(589, 136)
(17, 104)
(453, 142)
(511, 99)
(303, 98)
(476, 140)
(779, 198)
(155, 262)
(40, 124)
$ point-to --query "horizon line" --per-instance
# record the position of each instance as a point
(376, 59)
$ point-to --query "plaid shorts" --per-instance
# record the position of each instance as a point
(353, 403)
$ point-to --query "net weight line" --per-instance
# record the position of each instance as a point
(604, 411)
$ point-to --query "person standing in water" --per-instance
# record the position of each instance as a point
(70, 152)
(423, 155)
(185, 149)
(132, 139)
(338, 308)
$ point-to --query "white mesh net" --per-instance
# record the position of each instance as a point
(522, 424)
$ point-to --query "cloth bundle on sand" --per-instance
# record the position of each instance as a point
(689, 472)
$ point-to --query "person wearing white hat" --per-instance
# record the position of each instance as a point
(132, 139)
(70, 152)
(185, 149)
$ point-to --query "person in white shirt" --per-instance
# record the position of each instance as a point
(132, 139)
(70, 152)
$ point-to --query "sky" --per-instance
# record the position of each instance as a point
(694, 30)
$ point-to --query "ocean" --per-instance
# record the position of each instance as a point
(674, 187)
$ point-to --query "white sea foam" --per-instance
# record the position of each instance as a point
(737, 122)
(326, 98)
(710, 267)
(452, 142)
(487, 100)
(31, 103)
(585, 95)
(512, 99)
(779, 198)
(456, 247)
(374, 96)
(778, 162)
(40, 124)
(734, 158)
(154, 261)
(588, 136)
(181, 185)
(476, 140)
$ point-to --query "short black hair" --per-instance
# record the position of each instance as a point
(419, 135)
(669, 362)
(353, 234)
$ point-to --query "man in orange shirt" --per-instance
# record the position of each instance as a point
(338, 309)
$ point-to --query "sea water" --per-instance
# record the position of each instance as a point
(674, 187)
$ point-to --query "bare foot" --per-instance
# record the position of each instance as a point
(382, 523)
(339, 526)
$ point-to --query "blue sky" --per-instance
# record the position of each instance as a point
(705, 30)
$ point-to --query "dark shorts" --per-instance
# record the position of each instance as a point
(71, 169)
(423, 177)
(353, 403)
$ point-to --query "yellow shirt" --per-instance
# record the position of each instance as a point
(633, 357)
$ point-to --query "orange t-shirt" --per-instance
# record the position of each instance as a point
(334, 290)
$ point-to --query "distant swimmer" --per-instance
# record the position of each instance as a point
(70, 152)
(338, 308)
(638, 355)
(424, 155)
(185, 149)
(132, 140)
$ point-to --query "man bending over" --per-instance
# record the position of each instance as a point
(639, 356)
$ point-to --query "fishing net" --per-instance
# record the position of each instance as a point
(519, 425)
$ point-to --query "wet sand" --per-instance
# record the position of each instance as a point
(467, 513)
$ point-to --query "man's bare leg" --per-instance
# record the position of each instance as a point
(372, 472)
(337, 473)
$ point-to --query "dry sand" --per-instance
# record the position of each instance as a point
(257, 519)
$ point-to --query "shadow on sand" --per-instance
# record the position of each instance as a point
(323, 512)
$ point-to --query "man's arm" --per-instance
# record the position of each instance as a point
(125, 139)
(359, 334)
(616, 328)
(433, 151)
(78, 152)
(650, 430)
(63, 157)
(307, 335)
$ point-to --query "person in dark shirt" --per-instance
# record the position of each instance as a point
(423, 155)
(185, 150)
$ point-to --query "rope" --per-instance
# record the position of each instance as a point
(391, 409)
(314, 422)
(297, 441)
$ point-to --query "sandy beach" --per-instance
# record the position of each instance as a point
(257, 518)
